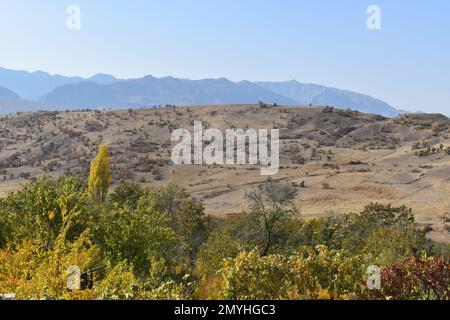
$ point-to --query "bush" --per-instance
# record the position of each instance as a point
(32, 272)
(159, 244)
(415, 278)
(353, 230)
(320, 274)
(127, 194)
(44, 209)
(137, 236)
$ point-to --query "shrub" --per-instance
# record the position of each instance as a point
(415, 278)
(322, 273)
(43, 209)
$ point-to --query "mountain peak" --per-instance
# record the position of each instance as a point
(102, 78)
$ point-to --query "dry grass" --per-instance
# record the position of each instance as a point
(373, 161)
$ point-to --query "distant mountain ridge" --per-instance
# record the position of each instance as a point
(320, 95)
(150, 91)
(106, 91)
(11, 102)
(8, 94)
(102, 78)
(32, 85)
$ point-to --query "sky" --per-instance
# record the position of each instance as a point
(406, 63)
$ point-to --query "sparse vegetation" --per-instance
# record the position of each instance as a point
(159, 241)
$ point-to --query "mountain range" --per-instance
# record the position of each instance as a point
(10, 102)
(25, 91)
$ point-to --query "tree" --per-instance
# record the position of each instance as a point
(272, 203)
(228, 237)
(389, 244)
(186, 215)
(317, 273)
(252, 277)
(127, 194)
(100, 178)
(44, 209)
(354, 230)
(136, 235)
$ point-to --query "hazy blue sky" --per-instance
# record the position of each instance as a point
(406, 63)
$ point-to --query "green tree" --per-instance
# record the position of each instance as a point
(252, 277)
(186, 215)
(135, 235)
(353, 230)
(43, 209)
(228, 237)
(272, 203)
(317, 273)
(127, 194)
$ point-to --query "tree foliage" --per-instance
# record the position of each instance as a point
(415, 278)
(99, 176)
(159, 244)
(272, 204)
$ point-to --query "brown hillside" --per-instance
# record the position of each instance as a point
(364, 158)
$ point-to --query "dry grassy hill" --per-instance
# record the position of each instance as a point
(364, 158)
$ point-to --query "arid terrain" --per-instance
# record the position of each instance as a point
(340, 160)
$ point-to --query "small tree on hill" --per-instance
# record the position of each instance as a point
(272, 203)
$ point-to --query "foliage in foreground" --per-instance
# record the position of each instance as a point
(158, 244)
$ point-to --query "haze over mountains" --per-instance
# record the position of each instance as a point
(318, 95)
(10, 102)
(25, 91)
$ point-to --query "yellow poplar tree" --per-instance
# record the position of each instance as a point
(99, 177)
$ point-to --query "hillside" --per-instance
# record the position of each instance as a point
(363, 158)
